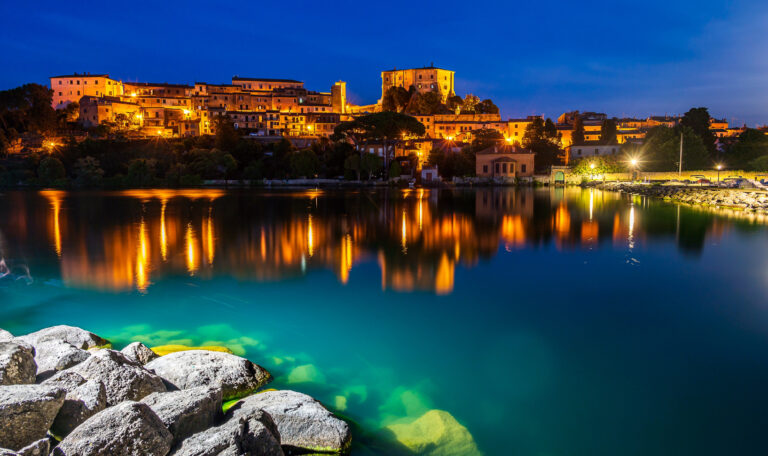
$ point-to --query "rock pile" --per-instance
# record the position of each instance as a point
(65, 392)
(752, 200)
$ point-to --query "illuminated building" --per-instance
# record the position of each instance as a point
(69, 88)
(423, 80)
(504, 162)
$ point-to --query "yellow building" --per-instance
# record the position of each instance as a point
(70, 88)
(427, 79)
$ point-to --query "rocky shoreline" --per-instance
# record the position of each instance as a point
(64, 391)
(746, 199)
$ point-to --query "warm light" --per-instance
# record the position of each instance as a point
(133, 94)
(163, 233)
(404, 235)
(591, 166)
(633, 162)
(310, 238)
(450, 138)
(191, 250)
(186, 112)
(719, 167)
(309, 127)
(508, 139)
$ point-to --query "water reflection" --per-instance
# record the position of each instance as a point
(128, 240)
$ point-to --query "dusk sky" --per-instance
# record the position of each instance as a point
(622, 58)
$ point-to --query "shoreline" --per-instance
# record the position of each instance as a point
(750, 200)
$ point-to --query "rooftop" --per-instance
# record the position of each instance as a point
(238, 78)
(82, 75)
(505, 149)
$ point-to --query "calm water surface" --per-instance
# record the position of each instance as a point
(546, 322)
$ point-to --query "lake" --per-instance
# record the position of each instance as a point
(494, 321)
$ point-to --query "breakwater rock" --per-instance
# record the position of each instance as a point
(747, 199)
(66, 392)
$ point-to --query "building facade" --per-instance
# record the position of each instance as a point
(427, 79)
(504, 162)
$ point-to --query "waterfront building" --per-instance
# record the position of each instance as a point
(504, 161)
(591, 149)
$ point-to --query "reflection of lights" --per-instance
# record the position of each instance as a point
(630, 235)
(346, 258)
(310, 240)
(209, 239)
(591, 202)
(405, 235)
(142, 260)
(421, 209)
(54, 196)
(163, 233)
(191, 246)
(444, 276)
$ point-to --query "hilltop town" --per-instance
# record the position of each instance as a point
(456, 135)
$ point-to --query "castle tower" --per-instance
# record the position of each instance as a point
(339, 97)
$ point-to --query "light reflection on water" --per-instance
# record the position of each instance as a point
(441, 322)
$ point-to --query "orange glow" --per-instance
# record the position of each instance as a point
(562, 220)
(210, 247)
(55, 197)
(589, 232)
(192, 257)
(513, 230)
(310, 240)
(142, 260)
(163, 233)
(404, 235)
(346, 259)
(444, 276)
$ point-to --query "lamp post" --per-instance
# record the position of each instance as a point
(633, 165)
(719, 167)
(592, 170)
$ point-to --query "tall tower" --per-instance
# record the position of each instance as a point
(339, 97)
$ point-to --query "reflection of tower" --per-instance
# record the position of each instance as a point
(339, 97)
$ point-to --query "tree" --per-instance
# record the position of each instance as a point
(468, 106)
(534, 132)
(427, 103)
(598, 165)
(371, 164)
(395, 99)
(227, 136)
(485, 138)
(752, 145)
(141, 173)
(662, 150)
(88, 172)
(608, 132)
(486, 107)
(304, 163)
(578, 131)
(50, 170)
(27, 109)
(381, 127)
(697, 119)
(352, 165)
(550, 130)
(395, 170)
(454, 102)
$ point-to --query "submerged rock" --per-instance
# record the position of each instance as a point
(26, 413)
(130, 428)
(80, 338)
(254, 435)
(139, 353)
(186, 412)
(5, 336)
(188, 369)
(162, 350)
(436, 433)
(84, 399)
(55, 355)
(302, 422)
(123, 379)
(17, 363)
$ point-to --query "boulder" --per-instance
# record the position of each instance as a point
(27, 412)
(130, 428)
(55, 355)
(84, 399)
(252, 435)
(80, 338)
(435, 433)
(38, 448)
(139, 353)
(303, 423)
(186, 412)
(17, 363)
(236, 376)
(124, 379)
(5, 336)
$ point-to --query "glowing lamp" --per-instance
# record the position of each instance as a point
(591, 166)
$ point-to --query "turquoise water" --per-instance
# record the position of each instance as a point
(546, 322)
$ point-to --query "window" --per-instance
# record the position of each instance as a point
(59, 93)
(522, 169)
(497, 168)
(596, 150)
(504, 168)
(578, 151)
(59, 81)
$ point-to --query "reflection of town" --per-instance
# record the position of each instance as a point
(128, 240)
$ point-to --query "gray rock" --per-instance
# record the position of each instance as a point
(139, 353)
(303, 422)
(84, 399)
(39, 448)
(237, 376)
(186, 412)
(80, 338)
(27, 412)
(124, 379)
(17, 363)
(5, 336)
(130, 428)
(54, 355)
(250, 436)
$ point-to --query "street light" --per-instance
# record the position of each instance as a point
(633, 165)
(592, 169)
(719, 167)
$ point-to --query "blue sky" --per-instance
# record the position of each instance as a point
(623, 58)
